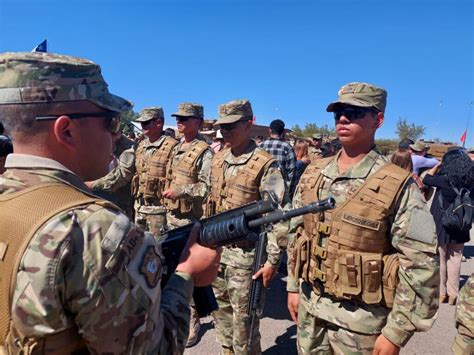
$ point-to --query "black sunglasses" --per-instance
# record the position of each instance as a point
(146, 123)
(231, 126)
(185, 118)
(353, 113)
(113, 118)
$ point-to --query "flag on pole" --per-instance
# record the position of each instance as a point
(463, 138)
(254, 119)
(42, 47)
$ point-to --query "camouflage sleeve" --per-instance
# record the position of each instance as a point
(464, 340)
(201, 188)
(292, 283)
(272, 180)
(119, 176)
(114, 290)
(414, 236)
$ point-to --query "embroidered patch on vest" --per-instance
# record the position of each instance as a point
(151, 267)
(361, 222)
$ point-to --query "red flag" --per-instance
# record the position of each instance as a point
(463, 137)
(254, 119)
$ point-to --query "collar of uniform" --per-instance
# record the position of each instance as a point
(156, 143)
(243, 158)
(25, 161)
(196, 139)
(48, 168)
(359, 171)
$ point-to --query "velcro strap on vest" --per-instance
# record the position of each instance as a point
(321, 227)
(351, 270)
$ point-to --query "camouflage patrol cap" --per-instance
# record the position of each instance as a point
(418, 146)
(360, 95)
(233, 111)
(188, 109)
(35, 77)
(317, 136)
(150, 113)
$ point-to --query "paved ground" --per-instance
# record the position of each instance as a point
(279, 333)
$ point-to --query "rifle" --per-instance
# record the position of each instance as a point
(227, 228)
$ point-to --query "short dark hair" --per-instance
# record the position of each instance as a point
(6, 146)
(277, 127)
(405, 143)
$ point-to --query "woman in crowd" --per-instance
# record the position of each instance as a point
(456, 171)
(302, 159)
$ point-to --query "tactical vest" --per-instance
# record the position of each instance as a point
(21, 218)
(346, 252)
(238, 190)
(183, 173)
(149, 180)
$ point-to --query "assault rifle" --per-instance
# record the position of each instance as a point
(227, 228)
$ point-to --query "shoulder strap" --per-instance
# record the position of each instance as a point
(22, 216)
(258, 163)
(195, 152)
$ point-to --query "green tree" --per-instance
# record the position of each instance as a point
(312, 128)
(409, 130)
(127, 118)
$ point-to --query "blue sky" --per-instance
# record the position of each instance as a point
(288, 57)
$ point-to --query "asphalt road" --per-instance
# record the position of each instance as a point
(279, 333)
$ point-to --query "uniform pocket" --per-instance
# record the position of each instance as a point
(372, 269)
(390, 278)
(302, 255)
(350, 275)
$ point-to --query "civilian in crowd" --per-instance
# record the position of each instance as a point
(258, 140)
(218, 142)
(282, 152)
(420, 159)
(455, 171)
(405, 143)
(402, 158)
(302, 159)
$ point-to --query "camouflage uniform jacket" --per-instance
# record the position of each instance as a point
(412, 234)
(465, 310)
(74, 274)
(125, 152)
(195, 192)
(272, 179)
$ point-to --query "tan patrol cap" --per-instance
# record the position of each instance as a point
(36, 77)
(234, 111)
(150, 113)
(188, 109)
(418, 146)
(360, 95)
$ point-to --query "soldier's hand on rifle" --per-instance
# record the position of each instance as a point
(267, 272)
(171, 194)
(200, 262)
(293, 301)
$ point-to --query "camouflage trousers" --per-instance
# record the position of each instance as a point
(317, 336)
(151, 219)
(231, 321)
(463, 342)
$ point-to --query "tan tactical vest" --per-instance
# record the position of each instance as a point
(21, 218)
(238, 190)
(346, 252)
(183, 173)
(150, 176)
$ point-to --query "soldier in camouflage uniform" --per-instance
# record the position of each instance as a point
(239, 175)
(187, 180)
(147, 173)
(343, 287)
(314, 150)
(124, 152)
(76, 275)
(464, 340)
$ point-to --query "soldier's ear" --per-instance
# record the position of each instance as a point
(64, 131)
(379, 118)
